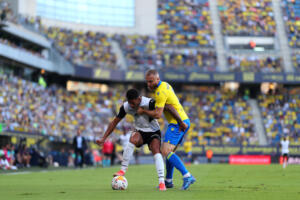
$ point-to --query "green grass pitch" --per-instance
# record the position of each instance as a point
(218, 182)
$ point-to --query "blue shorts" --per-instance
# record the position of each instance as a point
(174, 135)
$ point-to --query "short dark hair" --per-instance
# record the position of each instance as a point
(132, 94)
(151, 72)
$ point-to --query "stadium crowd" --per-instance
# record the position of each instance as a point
(53, 111)
(247, 17)
(87, 49)
(296, 61)
(291, 14)
(281, 115)
(254, 63)
(218, 117)
(57, 112)
(142, 52)
(184, 23)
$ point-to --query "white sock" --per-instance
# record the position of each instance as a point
(160, 168)
(187, 175)
(127, 153)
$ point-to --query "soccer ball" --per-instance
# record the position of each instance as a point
(119, 183)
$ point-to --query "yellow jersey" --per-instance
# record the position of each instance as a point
(164, 94)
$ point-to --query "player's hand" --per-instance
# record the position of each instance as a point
(140, 111)
(100, 142)
(183, 126)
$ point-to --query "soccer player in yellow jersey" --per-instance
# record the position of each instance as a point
(178, 126)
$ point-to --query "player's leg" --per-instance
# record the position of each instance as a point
(154, 146)
(135, 140)
(174, 137)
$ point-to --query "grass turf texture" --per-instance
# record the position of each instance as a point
(213, 182)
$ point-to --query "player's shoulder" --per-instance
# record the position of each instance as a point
(125, 106)
(163, 86)
(146, 99)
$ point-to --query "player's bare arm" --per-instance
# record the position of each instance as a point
(156, 113)
(112, 125)
(169, 108)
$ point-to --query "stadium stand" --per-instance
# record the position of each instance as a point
(254, 63)
(184, 23)
(20, 47)
(281, 115)
(142, 52)
(53, 111)
(296, 61)
(219, 117)
(247, 17)
(291, 13)
(87, 49)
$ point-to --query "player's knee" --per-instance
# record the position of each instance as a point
(155, 149)
(135, 139)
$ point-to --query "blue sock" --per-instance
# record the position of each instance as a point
(170, 169)
(176, 162)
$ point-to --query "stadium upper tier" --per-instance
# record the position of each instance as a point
(142, 52)
(184, 24)
(87, 49)
(254, 63)
(291, 13)
(184, 39)
(247, 17)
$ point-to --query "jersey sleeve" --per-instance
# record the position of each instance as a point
(152, 104)
(160, 98)
(121, 113)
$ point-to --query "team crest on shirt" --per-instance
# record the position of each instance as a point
(157, 93)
